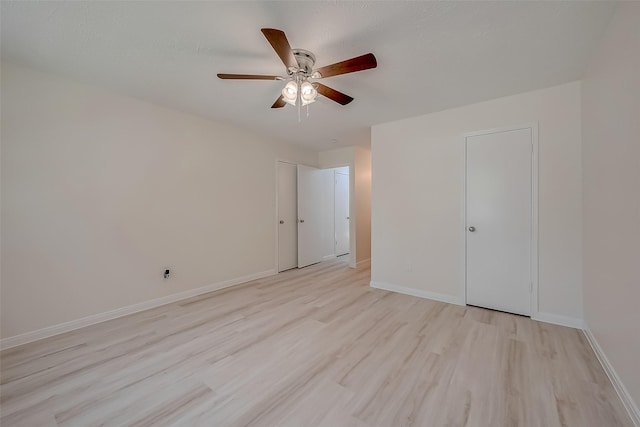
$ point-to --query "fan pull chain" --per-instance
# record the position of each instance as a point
(299, 96)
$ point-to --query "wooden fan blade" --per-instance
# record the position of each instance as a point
(280, 44)
(247, 77)
(352, 65)
(333, 94)
(279, 103)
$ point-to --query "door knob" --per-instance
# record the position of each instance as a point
(281, 222)
(472, 229)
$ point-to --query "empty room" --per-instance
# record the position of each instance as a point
(320, 213)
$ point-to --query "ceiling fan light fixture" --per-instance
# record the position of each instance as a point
(290, 92)
(308, 93)
(307, 102)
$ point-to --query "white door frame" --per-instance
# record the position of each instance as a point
(534, 208)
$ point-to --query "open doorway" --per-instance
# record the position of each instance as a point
(313, 215)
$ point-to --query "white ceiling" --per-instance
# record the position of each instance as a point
(431, 55)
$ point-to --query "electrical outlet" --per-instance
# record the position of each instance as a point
(166, 273)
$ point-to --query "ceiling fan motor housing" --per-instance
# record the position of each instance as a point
(306, 61)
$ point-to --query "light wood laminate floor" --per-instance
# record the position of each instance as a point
(311, 347)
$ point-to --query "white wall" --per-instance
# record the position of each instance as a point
(417, 197)
(338, 157)
(611, 163)
(101, 193)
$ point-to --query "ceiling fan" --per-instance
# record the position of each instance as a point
(299, 65)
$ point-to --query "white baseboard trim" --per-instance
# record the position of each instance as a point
(556, 319)
(622, 391)
(417, 292)
(362, 262)
(61, 328)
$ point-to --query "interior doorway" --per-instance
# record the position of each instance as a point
(313, 214)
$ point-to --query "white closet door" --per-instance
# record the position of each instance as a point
(342, 214)
(310, 224)
(499, 220)
(287, 216)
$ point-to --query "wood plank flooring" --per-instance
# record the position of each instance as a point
(311, 347)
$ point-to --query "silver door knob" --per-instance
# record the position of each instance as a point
(281, 222)
(472, 229)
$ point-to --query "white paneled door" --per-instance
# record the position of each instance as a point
(310, 219)
(499, 220)
(341, 220)
(287, 216)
